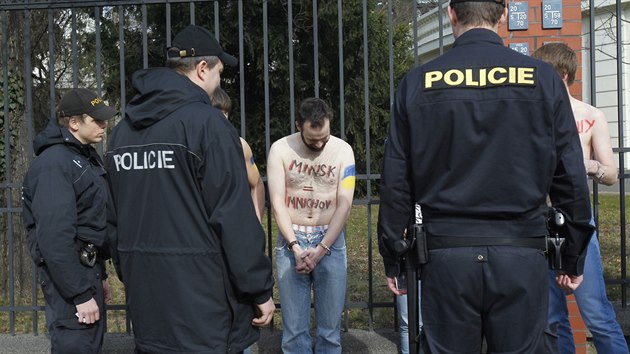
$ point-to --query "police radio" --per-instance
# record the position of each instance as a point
(555, 222)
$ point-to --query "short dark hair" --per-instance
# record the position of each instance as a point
(221, 100)
(64, 121)
(186, 64)
(314, 110)
(561, 56)
(473, 13)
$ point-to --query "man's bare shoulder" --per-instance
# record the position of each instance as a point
(339, 144)
(583, 110)
(278, 145)
(247, 150)
(283, 145)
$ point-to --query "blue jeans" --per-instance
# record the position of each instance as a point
(401, 302)
(596, 310)
(328, 281)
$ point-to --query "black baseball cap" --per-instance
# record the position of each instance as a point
(195, 41)
(500, 2)
(83, 101)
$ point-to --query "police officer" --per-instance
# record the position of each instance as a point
(479, 137)
(65, 197)
(186, 230)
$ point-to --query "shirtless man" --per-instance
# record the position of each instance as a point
(594, 306)
(221, 100)
(311, 176)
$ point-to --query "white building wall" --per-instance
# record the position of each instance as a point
(606, 99)
(606, 70)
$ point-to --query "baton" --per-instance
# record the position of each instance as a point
(412, 299)
(412, 253)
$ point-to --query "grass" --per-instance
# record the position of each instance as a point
(610, 231)
(363, 260)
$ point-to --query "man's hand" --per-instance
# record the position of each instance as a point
(87, 312)
(391, 284)
(568, 283)
(264, 313)
(300, 266)
(106, 292)
(311, 257)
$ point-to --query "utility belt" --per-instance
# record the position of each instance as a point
(538, 242)
(553, 244)
(416, 248)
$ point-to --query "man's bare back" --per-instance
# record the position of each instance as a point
(595, 140)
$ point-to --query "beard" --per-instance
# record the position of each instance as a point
(312, 147)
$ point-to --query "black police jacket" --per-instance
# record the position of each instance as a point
(190, 247)
(479, 137)
(65, 196)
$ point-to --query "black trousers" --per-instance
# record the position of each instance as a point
(499, 293)
(67, 335)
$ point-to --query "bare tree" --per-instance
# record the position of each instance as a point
(29, 35)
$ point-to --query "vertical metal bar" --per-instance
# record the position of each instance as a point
(168, 25)
(192, 12)
(99, 88)
(52, 95)
(441, 24)
(620, 120)
(390, 39)
(595, 205)
(366, 107)
(414, 21)
(291, 67)
(267, 123)
(51, 61)
(341, 96)
(266, 81)
(342, 101)
(75, 60)
(216, 17)
(99, 77)
(241, 65)
(121, 57)
(7, 146)
(97, 35)
(28, 112)
(145, 40)
(315, 50)
(593, 89)
(99, 85)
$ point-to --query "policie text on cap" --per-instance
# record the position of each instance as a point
(83, 101)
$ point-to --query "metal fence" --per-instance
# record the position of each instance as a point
(53, 33)
(30, 32)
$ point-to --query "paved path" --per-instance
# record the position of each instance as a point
(355, 341)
